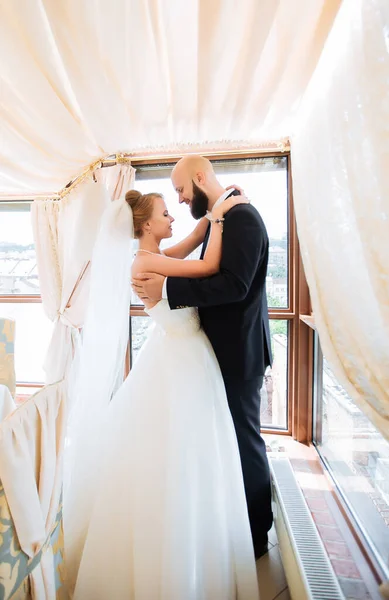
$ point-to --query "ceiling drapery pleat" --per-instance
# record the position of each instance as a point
(80, 80)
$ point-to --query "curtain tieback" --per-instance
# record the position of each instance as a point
(63, 318)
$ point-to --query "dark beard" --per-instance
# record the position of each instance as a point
(199, 203)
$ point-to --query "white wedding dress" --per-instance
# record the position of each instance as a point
(169, 521)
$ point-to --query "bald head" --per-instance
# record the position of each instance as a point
(195, 182)
(193, 164)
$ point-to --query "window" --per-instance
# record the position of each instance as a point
(265, 182)
(19, 293)
(18, 272)
(356, 455)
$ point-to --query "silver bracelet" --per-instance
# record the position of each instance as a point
(220, 221)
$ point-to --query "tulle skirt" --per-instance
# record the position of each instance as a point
(169, 520)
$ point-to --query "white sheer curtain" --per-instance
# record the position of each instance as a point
(64, 234)
(80, 80)
(340, 165)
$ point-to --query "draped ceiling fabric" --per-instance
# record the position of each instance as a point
(80, 80)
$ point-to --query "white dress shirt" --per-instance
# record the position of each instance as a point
(218, 201)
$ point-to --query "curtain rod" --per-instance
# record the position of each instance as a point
(282, 145)
(111, 160)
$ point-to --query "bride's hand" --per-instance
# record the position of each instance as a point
(224, 207)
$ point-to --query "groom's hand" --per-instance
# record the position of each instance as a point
(148, 286)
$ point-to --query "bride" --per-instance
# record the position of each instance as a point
(154, 502)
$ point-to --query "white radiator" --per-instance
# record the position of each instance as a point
(307, 567)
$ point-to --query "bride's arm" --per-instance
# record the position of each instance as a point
(190, 243)
(172, 267)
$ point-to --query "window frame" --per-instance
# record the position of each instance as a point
(300, 363)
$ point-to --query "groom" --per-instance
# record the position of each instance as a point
(233, 311)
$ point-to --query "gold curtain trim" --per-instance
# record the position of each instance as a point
(225, 147)
(108, 161)
(222, 148)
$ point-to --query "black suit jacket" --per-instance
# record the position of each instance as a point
(232, 304)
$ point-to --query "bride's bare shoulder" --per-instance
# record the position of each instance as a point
(139, 264)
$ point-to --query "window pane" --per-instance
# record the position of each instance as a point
(32, 337)
(274, 403)
(266, 186)
(264, 181)
(274, 412)
(18, 271)
(356, 454)
(139, 327)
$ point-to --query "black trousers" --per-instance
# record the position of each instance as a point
(245, 401)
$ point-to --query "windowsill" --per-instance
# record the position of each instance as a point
(24, 391)
(353, 563)
(308, 320)
(20, 298)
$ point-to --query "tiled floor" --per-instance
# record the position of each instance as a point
(271, 576)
